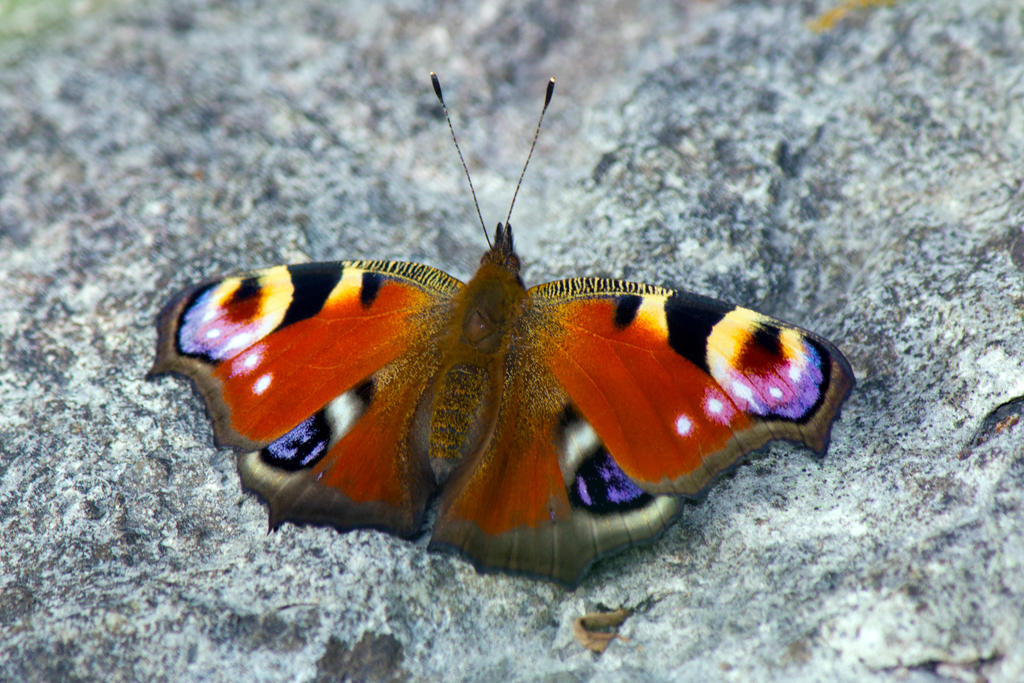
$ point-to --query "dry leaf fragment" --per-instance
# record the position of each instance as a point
(828, 20)
(596, 630)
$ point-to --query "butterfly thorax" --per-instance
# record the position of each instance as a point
(463, 400)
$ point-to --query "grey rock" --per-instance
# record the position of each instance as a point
(865, 182)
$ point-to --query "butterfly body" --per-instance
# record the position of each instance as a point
(464, 399)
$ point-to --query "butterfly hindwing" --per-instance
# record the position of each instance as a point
(317, 369)
(354, 463)
(543, 497)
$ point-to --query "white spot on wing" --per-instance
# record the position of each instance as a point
(213, 333)
(775, 392)
(684, 425)
(745, 392)
(714, 406)
(580, 441)
(342, 413)
(261, 384)
(795, 371)
(248, 362)
(239, 341)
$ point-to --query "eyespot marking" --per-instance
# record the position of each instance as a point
(301, 447)
(601, 487)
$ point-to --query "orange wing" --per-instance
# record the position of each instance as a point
(678, 386)
(621, 397)
(318, 369)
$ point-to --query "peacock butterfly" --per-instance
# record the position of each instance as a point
(554, 425)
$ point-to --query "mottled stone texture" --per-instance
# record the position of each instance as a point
(865, 183)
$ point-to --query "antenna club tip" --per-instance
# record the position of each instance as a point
(550, 92)
(437, 86)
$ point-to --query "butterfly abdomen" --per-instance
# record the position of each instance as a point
(462, 412)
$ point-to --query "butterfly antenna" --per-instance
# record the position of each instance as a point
(536, 133)
(440, 98)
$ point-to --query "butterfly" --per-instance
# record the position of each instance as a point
(549, 426)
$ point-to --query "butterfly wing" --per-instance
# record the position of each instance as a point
(317, 370)
(622, 397)
(678, 386)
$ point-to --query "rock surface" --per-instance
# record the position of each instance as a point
(865, 182)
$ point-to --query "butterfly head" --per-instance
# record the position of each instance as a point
(502, 252)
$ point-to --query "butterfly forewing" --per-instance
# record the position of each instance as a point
(679, 386)
(270, 348)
